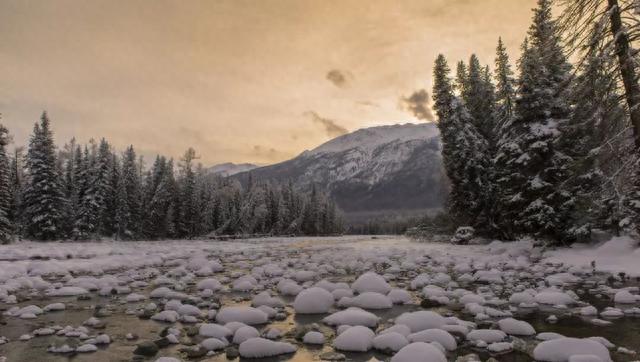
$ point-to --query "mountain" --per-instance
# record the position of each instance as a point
(229, 168)
(377, 170)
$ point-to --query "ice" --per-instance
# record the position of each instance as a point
(261, 347)
(562, 349)
(313, 301)
(419, 352)
(355, 339)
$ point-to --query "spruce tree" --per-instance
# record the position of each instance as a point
(187, 184)
(505, 88)
(43, 197)
(531, 167)
(129, 206)
(464, 152)
(16, 184)
(6, 228)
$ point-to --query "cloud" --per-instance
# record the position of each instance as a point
(269, 153)
(330, 126)
(418, 104)
(339, 78)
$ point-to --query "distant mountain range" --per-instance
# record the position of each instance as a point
(372, 171)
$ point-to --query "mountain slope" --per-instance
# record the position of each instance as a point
(378, 169)
(229, 168)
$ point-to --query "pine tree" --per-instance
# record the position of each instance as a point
(464, 152)
(6, 227)
(531, 168)
(129, 214)
(16, 184)
(43, 197)
(189, 210)
(505, 88)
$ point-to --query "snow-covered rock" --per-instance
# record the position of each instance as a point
(562, 349)
(313, 301)
(261, 347)
(355, 339)
(419, 352)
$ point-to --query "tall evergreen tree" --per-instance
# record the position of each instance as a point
(505, 88)
(464, 152)
(188, 207)
(6, 227)
(531, 167)
(43, 197)
(129, 213)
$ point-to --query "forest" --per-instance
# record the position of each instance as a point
(89, 192)
(552, 151)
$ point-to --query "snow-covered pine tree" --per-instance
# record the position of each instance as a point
(67, 158)
(479, 99)
(188, 203)
(131, 196)
(6, 227)
(530, 166)
(16, 184)
(43, 195)
(464, 152)
(505, 88)
(109, 222)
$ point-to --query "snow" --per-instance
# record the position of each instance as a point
(215, 331)
(355, 339)
(419, 352)
(368, 300)
(313, 337)
(554, 297)
(562, 349)
(85, 348)
(371, 282)
(624, 297)
(67, 292)
(246, 315)
(444, 338)
(486, 335)
(245, 333)
(261, 347)
(516, 327)
(353, 317)
(313, 301)
(213, 344)
(421, 320)
(393, 341)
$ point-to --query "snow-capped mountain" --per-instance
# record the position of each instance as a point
(229, 168)
(377, 169)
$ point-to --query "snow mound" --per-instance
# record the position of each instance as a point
(393, 341)
(371, 282)
(215, 331)
(313, 301)
(486, 335)
(352, 317)
(421, 320)
(419, 352)
(435, 335)
(516, 327)
(261, 347)
(368, 300)
(313, 337)
(355, 339)
(562, 349)
(246, 315)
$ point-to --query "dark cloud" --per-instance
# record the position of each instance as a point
(418, 104)
(339, 78)
(330, 126)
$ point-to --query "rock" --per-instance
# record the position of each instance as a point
(232, 353)
(332, 356)
(468, 358)
(429, 303)
(162, 342)
(146, 348)
(146, 314)
(194, 353)
(191, 331)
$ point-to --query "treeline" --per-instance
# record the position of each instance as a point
(88, 192)
(552, 152)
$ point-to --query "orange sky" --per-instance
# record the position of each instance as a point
(239, 80)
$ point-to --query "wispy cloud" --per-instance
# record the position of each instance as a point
(331, 127)
(418, 104)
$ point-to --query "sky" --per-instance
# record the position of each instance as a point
(239, 80)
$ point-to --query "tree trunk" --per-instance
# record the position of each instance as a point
(627, 70)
